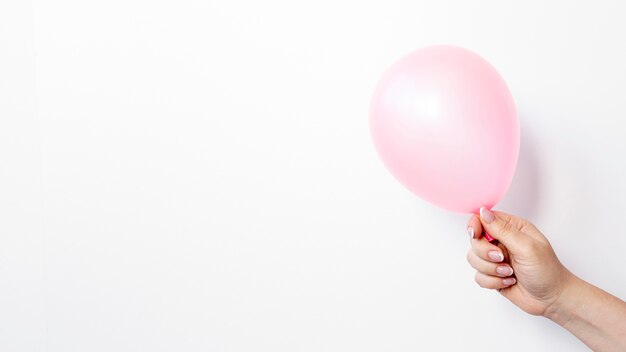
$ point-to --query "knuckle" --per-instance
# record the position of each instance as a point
(527, 226)
(537, 246)
(506, 226)
(544, 243)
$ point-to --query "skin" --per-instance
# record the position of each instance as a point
(532, 277)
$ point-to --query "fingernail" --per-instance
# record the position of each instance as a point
(495, 256)
(487, 215)
(508, 281)
(470, 231)
(504, 270)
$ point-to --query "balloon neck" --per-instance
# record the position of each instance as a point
(488, 237)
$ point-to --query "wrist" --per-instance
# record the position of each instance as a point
(568, 299)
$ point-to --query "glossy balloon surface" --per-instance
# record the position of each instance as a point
(444, 123)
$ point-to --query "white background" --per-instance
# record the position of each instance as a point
(199, 176)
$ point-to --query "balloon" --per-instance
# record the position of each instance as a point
(444, 123)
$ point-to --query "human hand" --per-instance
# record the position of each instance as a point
(522, 266)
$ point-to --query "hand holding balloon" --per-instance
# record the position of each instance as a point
(523, 266)
(444, 123)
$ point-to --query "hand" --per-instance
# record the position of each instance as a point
(523, 266)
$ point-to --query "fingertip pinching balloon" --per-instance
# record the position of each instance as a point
(444, 123)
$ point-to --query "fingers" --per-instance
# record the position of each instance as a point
(487, 251)
(488, 268)
(488, 260)
(492, 282)
(501, 226)
(474, 227)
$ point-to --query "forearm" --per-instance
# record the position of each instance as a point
(594, 316)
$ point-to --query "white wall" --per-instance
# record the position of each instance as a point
(198, 175)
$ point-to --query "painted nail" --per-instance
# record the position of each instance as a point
(487, 215)
(470, 231)
(508, 281)
(504, 270)
(495, 256)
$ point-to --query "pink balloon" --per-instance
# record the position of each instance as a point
(444, 123)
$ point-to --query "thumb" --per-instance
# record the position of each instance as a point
(501, 226)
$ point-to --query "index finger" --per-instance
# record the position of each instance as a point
(474, 227)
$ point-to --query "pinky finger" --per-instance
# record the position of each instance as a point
(493, 282)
